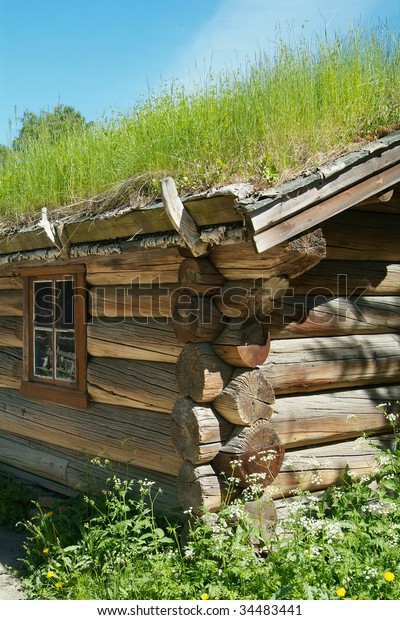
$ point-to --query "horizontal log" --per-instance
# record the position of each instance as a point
(197, 431)
(313, 419)
(10, 367)
(195, 318)
(289, 259)
(247, 398)
(376, 239)
(302, 317)
(243, 343)
(11, 331)
(314, 364)
(200, 276)
(11, 303)
(10, 282)
(141, 266)
(122, 434)
(199, 488)
(76, 470)
(135, 339)
(319, 467)
(142, 385)
(247, 299)
(349, 278)
(200, 373)
(130, 301)
(253, 455)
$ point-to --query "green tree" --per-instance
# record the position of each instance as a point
(52, 125)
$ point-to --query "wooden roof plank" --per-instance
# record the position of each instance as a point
(268, 216)
(318, 213)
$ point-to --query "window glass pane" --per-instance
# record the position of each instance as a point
(43, 353)
(65, 356)
(43, 303)
(65, 304)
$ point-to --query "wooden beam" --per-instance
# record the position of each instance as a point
(180, 218)
(316, 468)
(306, 316)
(131, 339)
(269, 213)
(327, 417)
(136, 436)
(350, 278)
(297, 221)
(315, 364)
(142, 385)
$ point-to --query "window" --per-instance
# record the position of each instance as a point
(55, 335)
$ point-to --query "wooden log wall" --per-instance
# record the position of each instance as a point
(205, 369)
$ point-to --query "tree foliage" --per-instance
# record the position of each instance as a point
(54, 125)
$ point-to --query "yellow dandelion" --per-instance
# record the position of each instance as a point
(48, 514)
(58, 584)
(204, 596)
(49, 574)
(388, 576)
(340, 592)
(46, 550)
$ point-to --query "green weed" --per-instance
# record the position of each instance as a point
(343, 544)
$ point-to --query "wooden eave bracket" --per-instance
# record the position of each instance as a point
(55, 234)
(181, 219)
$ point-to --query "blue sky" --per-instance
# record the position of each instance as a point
(98, 55)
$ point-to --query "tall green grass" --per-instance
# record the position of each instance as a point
(271, 116)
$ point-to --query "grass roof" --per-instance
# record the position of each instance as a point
(263, 123)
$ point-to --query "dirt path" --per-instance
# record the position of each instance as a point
(10, 551)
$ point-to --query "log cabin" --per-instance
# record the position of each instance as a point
(233, 332)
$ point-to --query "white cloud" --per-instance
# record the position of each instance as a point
(241, 27)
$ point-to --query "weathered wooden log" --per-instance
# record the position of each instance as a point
(141, 438)
(200, 276)
(197, 431)
(11, 331)
(136, 339)
(251, 299)
(10, 282)
(77, 470)
(200, 373)
(247, 398)
(253, 455)
(350, 278)
(319, 467)
(289, 259)
(11, 302)
(314, 419)
(243, 343)
(141, 266)
(314, 364)
(195, 318)
(302, 317)
(377, 237)
(199, 488)
(143, 385)
(180, 218)
(130, 301)
(10, 367)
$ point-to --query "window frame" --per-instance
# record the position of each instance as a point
(49, 389)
